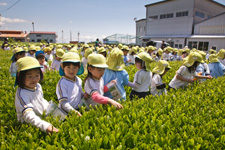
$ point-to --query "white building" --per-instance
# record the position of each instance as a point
(37, 36)
(196, 23)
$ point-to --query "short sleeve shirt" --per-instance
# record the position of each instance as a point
(143, 79)
(156, 81)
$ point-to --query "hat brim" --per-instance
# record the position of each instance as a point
(72, 61)
(101, 66)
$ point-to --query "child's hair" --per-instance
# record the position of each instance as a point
(138, 60)
(40, 56)
(104, 53)
(166, 69)
(68, 64)
(22, 75)
(19, 53)
(89, 75)
(193, 67)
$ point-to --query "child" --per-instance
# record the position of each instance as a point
(31, 51)
(203, 68)
(125, 50)
(94, 84)
(187, 72)
(48, 54)
(157, 86)
(29, 100)
(87, 52)
(57, 61)
(133, 52)
(40, 56)
(215, 67)
(221, 56)
(166, 55)
(115, 71)
(143, 77)
(69, 87)
(18, 53)
(158, 54)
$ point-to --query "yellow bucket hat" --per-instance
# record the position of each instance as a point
(38, 48)
(125, 47)
(25, 48)
(161, 66)
(133, 49)
(32, 48)
(115, 60)
(151, 48)
(141, 49)
(71, 57)
(212, 51)
(170, 49)
(86, 45)
(160, 52)
(27, 63)
(59, 46)
(120, 46)
(18, 49)
(74, 50)
(87, 52)
(203, 55)
(221, 54)
(97, 60)
(47, 49)
(146, 58)
(213, 58)
(192, 58)
(175, 50)
(180, 51)
(101, 50)
(59, 53)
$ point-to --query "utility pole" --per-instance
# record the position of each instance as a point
(78, 36)
(62, 36)
(70, 36)
(33, 26)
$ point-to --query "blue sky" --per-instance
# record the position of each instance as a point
(92, 18)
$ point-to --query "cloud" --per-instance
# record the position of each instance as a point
(4, 21)
(70, 22)
(3, 4)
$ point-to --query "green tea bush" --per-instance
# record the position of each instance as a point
(190, 118)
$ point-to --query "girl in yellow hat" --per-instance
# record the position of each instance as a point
(69, 88)
(48, 54)
(133, 52)
(31, 51)
(87, 52)
(116, 71)
(94, 83)
(157, 85)
(18, 53)
(57, 61)
(29, 101)
(216, 68)
(143, 77)
(187, 72)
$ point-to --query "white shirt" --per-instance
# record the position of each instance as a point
(55, 65)
(28, 54)
(222, 61)
(84, 61)
(132, 58)
(49, 57)
(91, 86)
(45, 67)
(30, 104)
(156, 81)
(143, 79)
(166, 56)
(69, 93)
(182, 71)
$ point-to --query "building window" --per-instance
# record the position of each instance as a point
(203, 46)
(198, 14)
(32, 40)
(38, 35)
(153, 18)
(164, 16)
(182, 14)
(192, 44)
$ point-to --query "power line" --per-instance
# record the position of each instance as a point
(10, 6)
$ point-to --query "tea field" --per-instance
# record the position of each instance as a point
(191, 118)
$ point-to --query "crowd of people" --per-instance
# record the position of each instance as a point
(103, 65)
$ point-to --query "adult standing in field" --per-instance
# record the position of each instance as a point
(163, 45)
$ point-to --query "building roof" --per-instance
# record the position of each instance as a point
(172, 0)
(13, 34)
(141, 20)
(182, 36)
(41, 32)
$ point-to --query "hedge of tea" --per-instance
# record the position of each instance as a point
(191, 118)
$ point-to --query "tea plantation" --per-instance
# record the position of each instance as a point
(191, 118)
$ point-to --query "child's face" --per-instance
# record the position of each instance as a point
(57, 58)
(97, 73)
(125, 52)
(71, 71)
(32, 78)
(49, 52)
(20, 55)
(138, 65)
(41, 61)
(32, 52)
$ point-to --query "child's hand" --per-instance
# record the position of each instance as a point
(113, 81)
(209, 77)
(86, 95)
(115, 104)
(78, 113)
(52, 129)
(191, 81)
